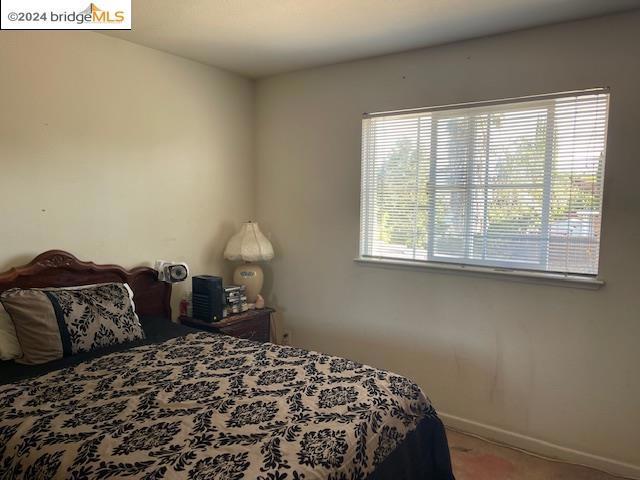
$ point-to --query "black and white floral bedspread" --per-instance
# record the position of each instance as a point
(206, 407)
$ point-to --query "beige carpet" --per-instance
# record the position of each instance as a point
(476, 459)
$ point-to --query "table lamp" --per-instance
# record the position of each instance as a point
(249, 245)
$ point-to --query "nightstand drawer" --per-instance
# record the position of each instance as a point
(256, 329)
(251, 325)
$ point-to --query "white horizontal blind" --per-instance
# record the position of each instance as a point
(514, 184)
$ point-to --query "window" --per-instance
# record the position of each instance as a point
(514, 184)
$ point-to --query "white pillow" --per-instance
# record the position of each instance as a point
(9, 346)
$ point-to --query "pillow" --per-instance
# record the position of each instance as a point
(52, 323)
(9, 346)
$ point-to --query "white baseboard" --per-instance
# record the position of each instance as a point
(540, 447)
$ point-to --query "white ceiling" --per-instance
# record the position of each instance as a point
(263, 37)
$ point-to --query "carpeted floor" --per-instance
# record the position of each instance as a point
(476, 459)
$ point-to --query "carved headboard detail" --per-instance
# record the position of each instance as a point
(57, 268)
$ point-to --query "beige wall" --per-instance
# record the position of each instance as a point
(119, 153)
(549, 363)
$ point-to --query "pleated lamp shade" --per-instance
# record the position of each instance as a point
(249, 244)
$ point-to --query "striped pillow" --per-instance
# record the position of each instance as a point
(52, 323)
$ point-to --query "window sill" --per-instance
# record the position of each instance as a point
(575, 281)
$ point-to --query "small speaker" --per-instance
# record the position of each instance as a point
(172, 272)
(208, 298)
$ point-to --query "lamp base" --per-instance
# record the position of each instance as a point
(251, 276)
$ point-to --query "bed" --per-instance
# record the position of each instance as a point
(182, 403)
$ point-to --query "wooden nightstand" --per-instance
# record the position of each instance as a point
(251, 325)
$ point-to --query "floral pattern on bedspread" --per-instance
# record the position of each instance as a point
(206, 407)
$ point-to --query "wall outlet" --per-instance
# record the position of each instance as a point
(286, 338)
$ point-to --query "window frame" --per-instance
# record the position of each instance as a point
(439, 263)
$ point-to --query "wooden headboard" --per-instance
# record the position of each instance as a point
(57, 268)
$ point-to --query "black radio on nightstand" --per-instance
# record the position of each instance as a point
(208, 298)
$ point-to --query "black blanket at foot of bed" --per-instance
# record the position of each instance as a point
(423, 455)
